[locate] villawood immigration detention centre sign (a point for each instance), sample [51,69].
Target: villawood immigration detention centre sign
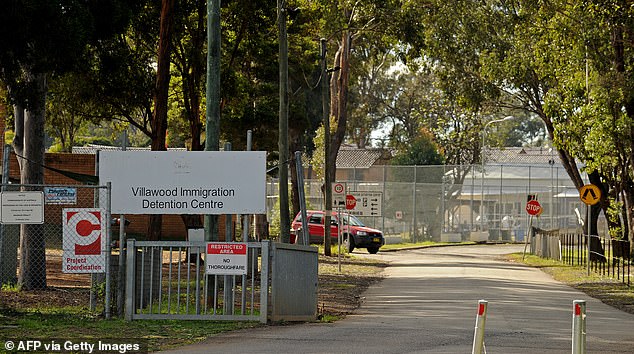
[185,182]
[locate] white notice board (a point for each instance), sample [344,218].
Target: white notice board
[22,207]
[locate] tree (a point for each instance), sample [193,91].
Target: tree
[421,150]
[39,38]
[535,54]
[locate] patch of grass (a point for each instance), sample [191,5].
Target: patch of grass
[607,289]
[160,335]
[8,287]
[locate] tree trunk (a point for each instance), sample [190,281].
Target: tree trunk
[192,81]
[32,248]
[159,119]
[339,101]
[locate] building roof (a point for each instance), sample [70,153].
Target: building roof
[522,156]
[353,157]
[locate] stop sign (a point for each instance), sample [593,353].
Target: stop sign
[533,207]
[351,202]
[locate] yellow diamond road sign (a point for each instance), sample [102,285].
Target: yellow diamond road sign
[590,194]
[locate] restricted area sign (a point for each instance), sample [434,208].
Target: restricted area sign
[590,194]
[226,258]
[533,207]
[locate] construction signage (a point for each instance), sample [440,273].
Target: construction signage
[226,258]
[84,240]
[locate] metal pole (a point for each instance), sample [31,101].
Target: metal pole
[578,327]
[414,231]
[130,281]
[228,279]
[484,129]
[589,231]
[339,225]
[122,250]
[383,200]
[302,198]
[108,251]
[245,218]
[442,205]
[482,179]
[478,335]
[8,258]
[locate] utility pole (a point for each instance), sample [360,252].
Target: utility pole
[285,223]
[325,81]
[212,131]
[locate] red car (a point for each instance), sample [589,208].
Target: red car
[354,233]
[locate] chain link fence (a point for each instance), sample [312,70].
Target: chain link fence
[56,236]
[430,202]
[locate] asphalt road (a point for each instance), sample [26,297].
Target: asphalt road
[427,304]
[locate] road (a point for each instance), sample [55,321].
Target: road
[427,304]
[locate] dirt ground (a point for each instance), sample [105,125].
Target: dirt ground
[339,293]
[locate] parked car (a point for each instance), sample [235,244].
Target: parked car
[354,233]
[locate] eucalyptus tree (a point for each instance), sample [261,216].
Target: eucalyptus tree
[592,104]
[39,38]
[525,50]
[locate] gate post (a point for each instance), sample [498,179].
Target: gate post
[264,281]
[130,279]
[579,327]
[478,335]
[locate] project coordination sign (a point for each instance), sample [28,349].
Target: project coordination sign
[185,182]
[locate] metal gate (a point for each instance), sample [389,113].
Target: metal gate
[167,280]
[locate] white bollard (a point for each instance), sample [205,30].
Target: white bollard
[579,327]
[478,335]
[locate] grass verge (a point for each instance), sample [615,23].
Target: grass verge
[60,313]
[606,289]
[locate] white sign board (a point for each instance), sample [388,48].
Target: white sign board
[84,240]
[367,204]
[338,195]
[185,182]
[22,207]
[228,258]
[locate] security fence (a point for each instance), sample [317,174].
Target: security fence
[425,202]
[56,236]
[605,256]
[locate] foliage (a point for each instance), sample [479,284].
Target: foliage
[421,151]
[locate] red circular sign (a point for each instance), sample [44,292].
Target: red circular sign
[533,207]
[351,201]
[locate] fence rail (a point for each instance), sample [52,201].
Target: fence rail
[605,256]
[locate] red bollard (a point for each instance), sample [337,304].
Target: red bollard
[478,335]
[579,327]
